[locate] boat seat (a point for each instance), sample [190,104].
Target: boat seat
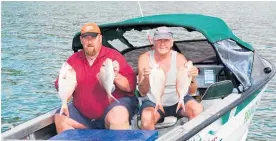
[218,90]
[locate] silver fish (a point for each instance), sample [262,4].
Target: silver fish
[157,81]
[67,83]
[106,78]
[183,83]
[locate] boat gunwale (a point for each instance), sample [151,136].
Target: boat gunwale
[27,128]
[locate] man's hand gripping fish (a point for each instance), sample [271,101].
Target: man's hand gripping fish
[66,83]
[157,81]
[183,83]
[106,77]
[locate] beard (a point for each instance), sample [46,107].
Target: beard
[90,51]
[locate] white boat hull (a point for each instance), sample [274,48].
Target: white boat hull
[237,127]
[232,126]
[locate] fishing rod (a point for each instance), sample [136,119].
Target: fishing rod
[148,35]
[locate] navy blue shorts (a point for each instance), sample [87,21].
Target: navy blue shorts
[169,110]
[130,103]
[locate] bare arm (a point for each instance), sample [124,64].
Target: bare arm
[125,76]
[180,60]
[122,83]
[143,74]
[193,86]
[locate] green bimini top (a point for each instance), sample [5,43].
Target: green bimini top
[214,29]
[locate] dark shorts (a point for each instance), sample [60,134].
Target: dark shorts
[169,110]
[130,103]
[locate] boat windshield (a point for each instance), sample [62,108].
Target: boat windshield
[193,45]
[239,60]
[141,38]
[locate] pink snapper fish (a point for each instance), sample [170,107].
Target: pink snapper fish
[67,83]
[183,82]
[106,78]
[157,79]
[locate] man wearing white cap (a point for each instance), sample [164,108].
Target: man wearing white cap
[169,60]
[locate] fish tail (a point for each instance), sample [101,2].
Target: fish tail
[156,108]
[180,105]
[159,106]
[61,111]
[114,98]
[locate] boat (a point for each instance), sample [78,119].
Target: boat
[232,78]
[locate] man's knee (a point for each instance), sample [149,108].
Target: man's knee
[147,115]
[60,123]
[117,115]
[59,119]
[193,109]
[197,109]
[147,118]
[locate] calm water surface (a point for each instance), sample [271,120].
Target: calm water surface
[37,38]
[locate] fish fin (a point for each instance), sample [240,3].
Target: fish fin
[61,112]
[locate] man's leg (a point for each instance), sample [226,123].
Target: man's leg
[192,107]
[148,117]
[118,115]
[76,120]
[117,118]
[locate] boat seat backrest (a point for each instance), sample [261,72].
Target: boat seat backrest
[217,90]
[76,44]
